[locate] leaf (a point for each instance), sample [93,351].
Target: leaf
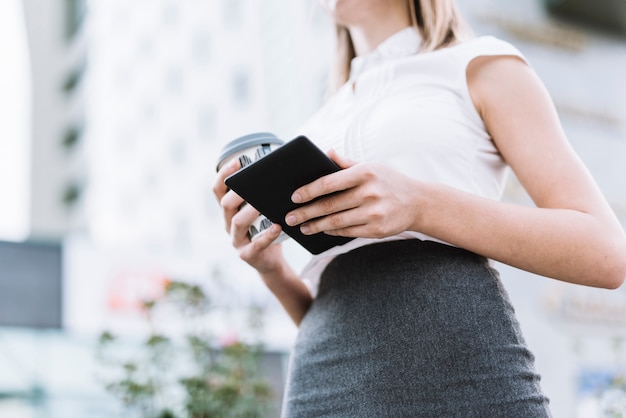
[105,338]
[166,413]
[157,340]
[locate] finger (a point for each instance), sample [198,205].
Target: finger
[240,223]
[352,223]
[259,244]
[231,203]
[356,231]
[340,160]
[219,187]
[333,222]
[267,238]
[333,203]
[331,183]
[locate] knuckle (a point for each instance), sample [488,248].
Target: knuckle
[377,215]
[328,204]
[377,225]
[369,172]
[258,245]
[379,231]
[225,202]
[231,205]
[336,221]
[327,183]
[237,222]
[370,194]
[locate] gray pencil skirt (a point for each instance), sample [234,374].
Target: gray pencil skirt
[411,329]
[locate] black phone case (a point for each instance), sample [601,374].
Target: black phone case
[268,183]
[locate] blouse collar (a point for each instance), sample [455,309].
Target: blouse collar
[401,44]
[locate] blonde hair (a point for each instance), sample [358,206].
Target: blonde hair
[438,21]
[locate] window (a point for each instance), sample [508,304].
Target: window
[174,81]
[71,194]
[178,152]
[74,78]
[207,122]
[241,88]
[201,48]
[232,13]
[74,13]
[170,13]
[72,136]
[149,109]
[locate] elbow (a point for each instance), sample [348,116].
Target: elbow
[615,267]
[616,280]
[613,283]
[605,267]
[609,277]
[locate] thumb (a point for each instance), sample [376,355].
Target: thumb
[341,161]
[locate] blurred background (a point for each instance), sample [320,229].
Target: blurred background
[112,117]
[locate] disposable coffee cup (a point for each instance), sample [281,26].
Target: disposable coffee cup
[248,149]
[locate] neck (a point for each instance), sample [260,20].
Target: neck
[366,36]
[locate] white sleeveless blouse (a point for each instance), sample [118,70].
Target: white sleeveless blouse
[413,112]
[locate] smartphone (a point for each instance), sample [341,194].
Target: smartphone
[268,183]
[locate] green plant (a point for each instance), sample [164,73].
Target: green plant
[190,377]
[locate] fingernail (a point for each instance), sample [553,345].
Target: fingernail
[305,229]
[274,229]
[296,198]
[291,220]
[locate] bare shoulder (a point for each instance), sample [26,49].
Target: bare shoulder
[523,123]
[503,80]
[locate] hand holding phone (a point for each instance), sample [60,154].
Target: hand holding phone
[268,183]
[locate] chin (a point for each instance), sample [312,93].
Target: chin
[354,12]
[344,12]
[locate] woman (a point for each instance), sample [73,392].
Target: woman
[409,319]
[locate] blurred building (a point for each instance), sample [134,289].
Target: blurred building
[40,105]
[130,104]
[169,83]
[165,84]
[125,108]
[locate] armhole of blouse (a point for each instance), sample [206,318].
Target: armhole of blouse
[484,47]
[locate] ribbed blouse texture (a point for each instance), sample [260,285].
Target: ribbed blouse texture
[411,111]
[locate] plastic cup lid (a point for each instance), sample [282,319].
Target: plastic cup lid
[247,141]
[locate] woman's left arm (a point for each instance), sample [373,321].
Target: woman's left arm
[572,235]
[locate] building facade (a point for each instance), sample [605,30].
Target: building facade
[46,101]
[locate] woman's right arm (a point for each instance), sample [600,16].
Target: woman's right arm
[267,258]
